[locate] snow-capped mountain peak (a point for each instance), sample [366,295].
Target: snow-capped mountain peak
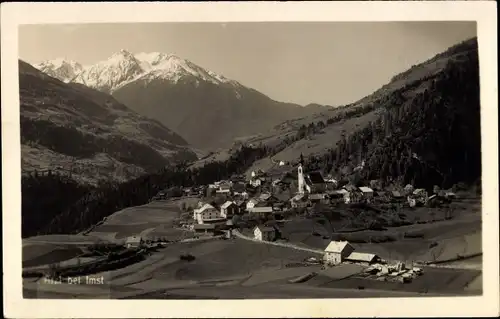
[107,75]
[124,67]
[62,69]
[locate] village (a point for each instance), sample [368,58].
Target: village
[259,205]
[302,227]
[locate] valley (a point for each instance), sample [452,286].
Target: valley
[179,183]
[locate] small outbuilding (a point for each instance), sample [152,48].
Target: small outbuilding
[264,233]
[133,242]
[364,258]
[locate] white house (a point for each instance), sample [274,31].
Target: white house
[228,209]
[206,213]
[297,201]
[264,233]
[133,241]
[336,252]
[367,192]
[252,203]
[352,195]
[255,182]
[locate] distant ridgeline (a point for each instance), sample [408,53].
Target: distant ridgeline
[75,207]
[429,132]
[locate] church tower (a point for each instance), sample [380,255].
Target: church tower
[301,183]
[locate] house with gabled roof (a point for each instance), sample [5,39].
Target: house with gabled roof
[228,209]
[206,213]
[133,241]
[336,252]
[264,233]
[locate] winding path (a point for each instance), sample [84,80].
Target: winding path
[286,245]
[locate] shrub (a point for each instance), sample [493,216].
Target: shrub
[414,235]
[187,257]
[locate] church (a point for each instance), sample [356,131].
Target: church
[311,183]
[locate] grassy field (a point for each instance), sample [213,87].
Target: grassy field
[433,280]
[154,219]
[227,259]
[432,241]
[49,254]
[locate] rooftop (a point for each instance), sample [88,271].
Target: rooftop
[204,208]
[337,246]
[317,196]
[297,197]
[204,226]
[316,178]
[227,204]
[262,209]
[265,196]
[133,239]
[366,189]
[354,256]
[264,228]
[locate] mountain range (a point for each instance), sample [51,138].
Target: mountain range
[69,127]
[207,109]
[422,128]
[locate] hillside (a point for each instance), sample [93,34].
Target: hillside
[424,122]
[421,128]
[72,128]
[179,93]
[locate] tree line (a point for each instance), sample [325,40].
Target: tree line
[54,204]
[428,136]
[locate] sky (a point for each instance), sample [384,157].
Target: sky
[332,63]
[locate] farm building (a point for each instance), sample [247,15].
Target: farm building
[264,233]
[224,188]
[206,213]
[268,199]
[257,179]
[133,242]
[336,252]
[364,258]
[228,209]
[396,195]
[412,201]
[319,198]
[337,194]
[241,205]
[450,195]
[352,195]
[409,189]
[331,183]
[239,187]
[206,229]
[367,192]
[298,201]
[279,206]
[261,210]
[432,199]
[420,196]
